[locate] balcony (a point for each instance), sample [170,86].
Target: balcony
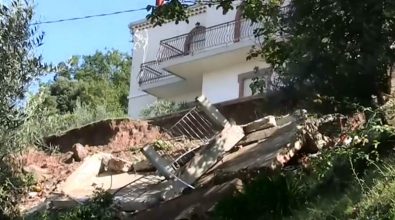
[184,58]
[151,73]
[202,38]
[161,83]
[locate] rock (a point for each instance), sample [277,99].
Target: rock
[118,165]
[67,157]
[79,152]
[143,166]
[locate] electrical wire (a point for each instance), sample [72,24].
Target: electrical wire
[88,16]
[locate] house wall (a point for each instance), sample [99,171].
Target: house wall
[190,97]
[222,85]
[138,103]
[146,46]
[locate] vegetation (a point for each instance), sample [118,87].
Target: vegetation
[349,182]
[318,46]
[98,208]
[98,80]
[93,88]
[163,107]
[18,67]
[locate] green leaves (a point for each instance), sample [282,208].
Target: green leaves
[94,80]
[342,48]
[18,63]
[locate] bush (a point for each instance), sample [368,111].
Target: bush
[265,198]
[14,185]
[98,208]
[42,122]
[163,107]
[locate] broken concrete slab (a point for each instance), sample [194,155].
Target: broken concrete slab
[258,155]
[260,124]
[258,136]
[206,159]
[82,183]
[89,169]
[201,200]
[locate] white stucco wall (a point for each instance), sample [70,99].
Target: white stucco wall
[138,103]
[222,85]
[147,44]
[189,97]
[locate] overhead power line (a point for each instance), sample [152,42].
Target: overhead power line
[89,16]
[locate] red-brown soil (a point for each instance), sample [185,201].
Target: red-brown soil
[121,138]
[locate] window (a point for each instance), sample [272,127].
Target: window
[245,80]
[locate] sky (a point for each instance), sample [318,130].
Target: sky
[84,37]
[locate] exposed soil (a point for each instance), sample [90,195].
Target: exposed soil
[121,138]
[118,134]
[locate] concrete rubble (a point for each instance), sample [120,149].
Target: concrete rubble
[193,190]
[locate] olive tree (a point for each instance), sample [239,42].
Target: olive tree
[18,63]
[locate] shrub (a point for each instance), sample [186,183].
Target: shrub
[98,208]
[266,198]
[163,107]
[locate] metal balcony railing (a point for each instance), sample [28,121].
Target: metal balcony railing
[204,38]
[198,39]
[150,72]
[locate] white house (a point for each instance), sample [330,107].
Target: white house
[179,62]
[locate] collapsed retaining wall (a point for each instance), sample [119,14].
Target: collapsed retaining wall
[116,133]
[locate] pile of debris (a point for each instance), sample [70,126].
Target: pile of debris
[122,142]
[180,173]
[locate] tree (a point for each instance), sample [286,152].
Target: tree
[18,63]
[93,80]
[18,67]
[338,48]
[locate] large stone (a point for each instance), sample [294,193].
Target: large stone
[143,166]
[79,152]
[118,165]
[67,157]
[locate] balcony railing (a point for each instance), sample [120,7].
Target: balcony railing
[150,72]
[204,38]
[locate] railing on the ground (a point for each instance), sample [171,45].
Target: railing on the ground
[189,133]
[150,72]
[203,38]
